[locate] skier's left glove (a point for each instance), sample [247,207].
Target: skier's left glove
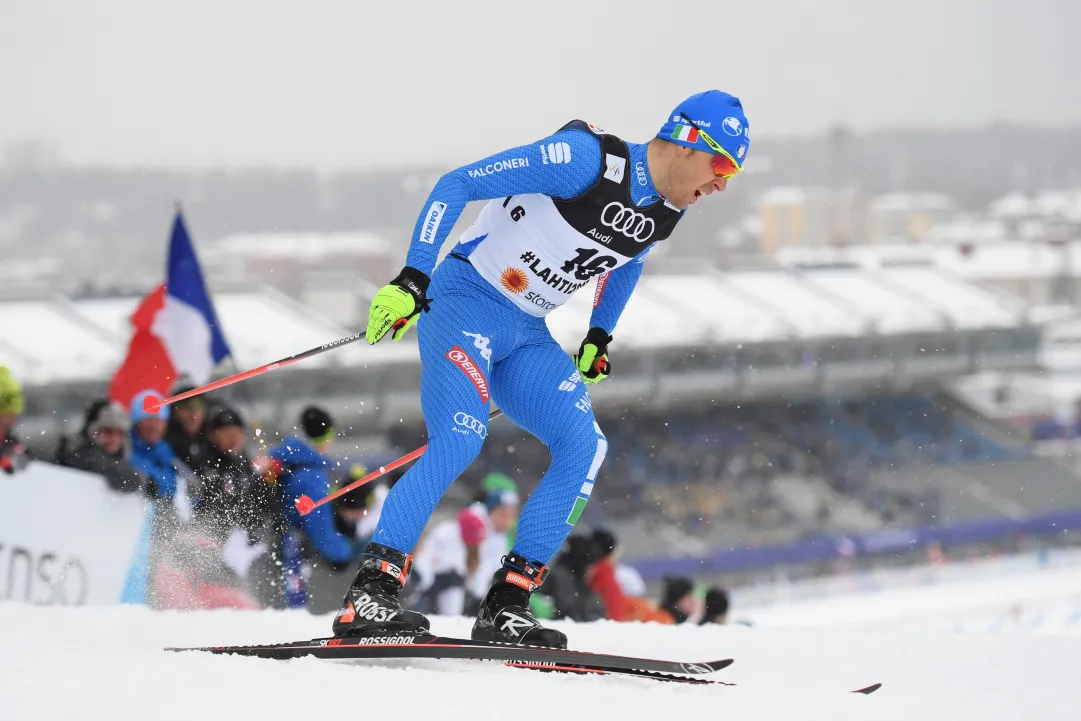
[592,359]
[397,305]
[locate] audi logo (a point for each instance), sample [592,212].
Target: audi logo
[457,356]
[628,222]
[464,419]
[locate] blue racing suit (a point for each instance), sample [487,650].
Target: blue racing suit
[485,337]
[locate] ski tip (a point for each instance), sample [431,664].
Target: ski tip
[706,666]
[868,689]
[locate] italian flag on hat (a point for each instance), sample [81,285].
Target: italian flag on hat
[687,133]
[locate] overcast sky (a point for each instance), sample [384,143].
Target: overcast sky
[354,83]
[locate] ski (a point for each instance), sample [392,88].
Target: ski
[602,671]
[430,646]
[583,670]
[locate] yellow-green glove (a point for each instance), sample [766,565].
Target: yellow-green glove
[397,305]
[592,359]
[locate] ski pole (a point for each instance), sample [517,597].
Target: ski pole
[153,405]
[306,505]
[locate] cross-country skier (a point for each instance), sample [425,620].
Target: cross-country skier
[578,204]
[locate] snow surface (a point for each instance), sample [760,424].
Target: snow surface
[107,662]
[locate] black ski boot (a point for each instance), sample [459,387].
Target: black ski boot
[371,604]
[504,614]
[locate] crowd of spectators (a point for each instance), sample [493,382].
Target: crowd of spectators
[228,533]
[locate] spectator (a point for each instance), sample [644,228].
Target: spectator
[150,453]
[566,590]
[455,564]
[186,432]
[243,509]
[492,483]
[356,514]
[499,514]
[13,454]
[716,609]
[102,447]
[304,469]
[623,601]
[231,492]
[678,598]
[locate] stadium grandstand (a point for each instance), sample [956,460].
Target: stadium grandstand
[808,400]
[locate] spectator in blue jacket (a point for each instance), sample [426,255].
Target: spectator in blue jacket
[304,469]
[150,452]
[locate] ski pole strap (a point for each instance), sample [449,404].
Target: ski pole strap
[388,560]
[523,573]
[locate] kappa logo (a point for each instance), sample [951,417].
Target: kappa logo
[615,167]
[460,358]
[482,344]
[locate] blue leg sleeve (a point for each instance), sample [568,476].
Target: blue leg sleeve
[458,339]
[539,389]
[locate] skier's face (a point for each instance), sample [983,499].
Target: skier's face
[693,177]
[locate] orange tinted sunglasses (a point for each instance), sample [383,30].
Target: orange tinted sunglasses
[724,165]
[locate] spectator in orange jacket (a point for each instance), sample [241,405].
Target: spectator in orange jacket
[603,580]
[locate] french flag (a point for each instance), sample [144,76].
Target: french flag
[176,331]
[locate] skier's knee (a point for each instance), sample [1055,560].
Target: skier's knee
[584,446]
[464,441]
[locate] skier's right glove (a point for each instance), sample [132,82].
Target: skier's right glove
[397,305]
[592,358]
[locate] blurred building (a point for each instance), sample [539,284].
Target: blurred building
[811,216]
[336,274]
[906,217]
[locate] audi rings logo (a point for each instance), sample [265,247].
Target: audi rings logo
[468,421]
[628,222]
